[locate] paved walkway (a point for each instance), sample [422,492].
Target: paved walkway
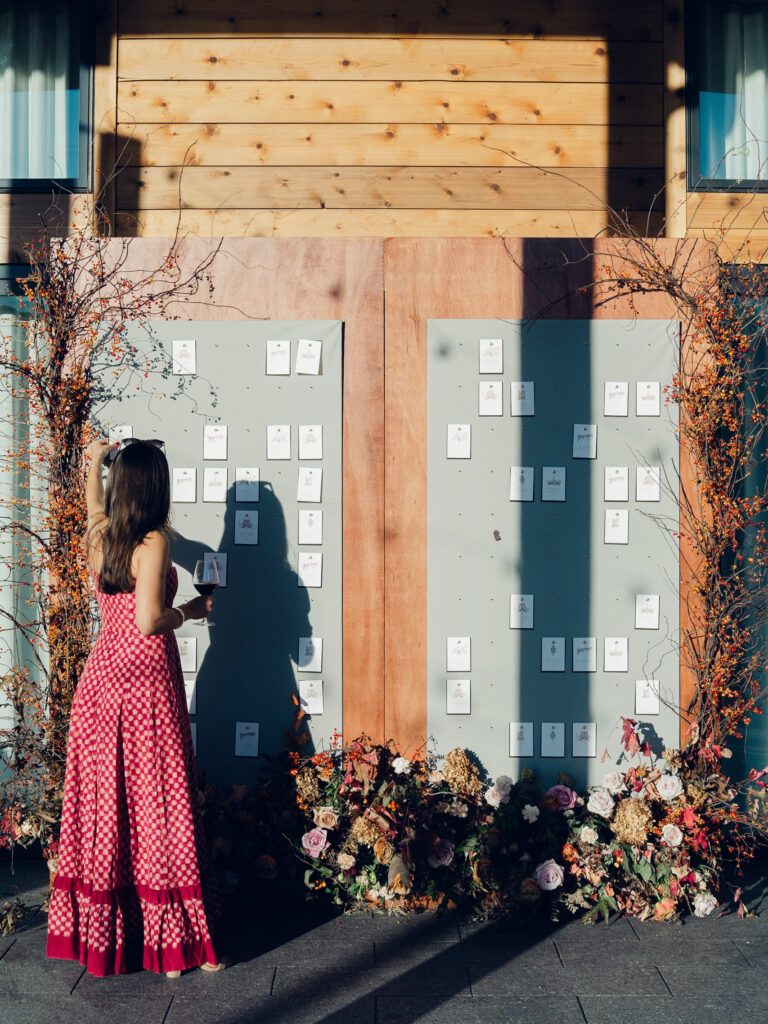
[369,969]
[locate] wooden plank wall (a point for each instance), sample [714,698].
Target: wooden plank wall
[388,119]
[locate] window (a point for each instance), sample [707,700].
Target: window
[45,95]
[727,62]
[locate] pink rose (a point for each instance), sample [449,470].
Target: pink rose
[315,841]
[441,855]
[565,797]
[549,875]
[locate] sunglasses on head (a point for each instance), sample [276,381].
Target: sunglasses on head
[133,440]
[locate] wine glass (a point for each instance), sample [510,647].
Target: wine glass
[205,579]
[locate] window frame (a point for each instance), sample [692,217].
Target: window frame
[692,121]
[84,180]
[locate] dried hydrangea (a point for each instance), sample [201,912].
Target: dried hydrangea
[307,786]
[365,832]
[631,821]
[460,774]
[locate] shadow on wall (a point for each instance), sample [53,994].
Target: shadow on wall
[246,672]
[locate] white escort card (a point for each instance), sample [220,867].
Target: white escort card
[521,398]
[489,398]
[648,398]
[553,483]
[183,484]
[214,484]
[246,739]
[310,571]
[458,696]
[310,526]
[247,483]
[553,654]
[521,483]
[521,739]
[120,433]
[616,483]
[279,441]
[647,697]
[310,654]
[246,526]
[187,653]
[584,739]
[617,526]
[311,696]
[616,400]
[458,654]
[184,359]
[521,611]
[553,739]
[278,358]
[308,356]
[646,611]
[648,483]
[190,689]
[459,441]
[311,442]
[310,484]
[491,355]
[220,559]
[215,441]
[585,440]
[584,654]
[615,655]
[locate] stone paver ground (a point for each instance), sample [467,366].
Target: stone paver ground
[371,969]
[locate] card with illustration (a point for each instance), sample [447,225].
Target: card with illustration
[120,433]
[584,654]
[246,526]
[647,701]
[648,398]
[308,354]
[553,739]
[214,484]
[521,483]
[616,486]
[311,696]
[190,689]
[584,739]
[617,526]
[616,400]
[310,483]
[646,611]
[521,611]
[184,358]
[215,441]
[553,483]
[459,441]
[553,654]
[310,526]
[491,355]
[310,570]
[458,654]
[648,483]
[521,739]
[279,441]
[187,653]
[585,440]
[278,358]
[220,558]
[247,483]
[246,739]
[310,654]
[522,398]
[183,484]
[489,398]
[616,654]
[311,441]
[458,696]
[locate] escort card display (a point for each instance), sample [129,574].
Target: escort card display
[548,538]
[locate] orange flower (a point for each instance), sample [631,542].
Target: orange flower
[664,908]
[570,852]
[550,802]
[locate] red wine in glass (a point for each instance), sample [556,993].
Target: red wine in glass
[205,579]
[205,588]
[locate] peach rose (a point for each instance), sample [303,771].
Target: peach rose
[326,817]
[664,908]
[383,850]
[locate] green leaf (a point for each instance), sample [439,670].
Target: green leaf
[308,878]
[644,869]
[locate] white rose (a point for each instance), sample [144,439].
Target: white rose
[704,904]
[669,787]
[401,766]
[549,875]
[494,797]
[671,835]
[531,813]
[588,835]
[503,784]
[600,802]
[614,782]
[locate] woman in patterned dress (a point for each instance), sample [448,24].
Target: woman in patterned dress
[133,884]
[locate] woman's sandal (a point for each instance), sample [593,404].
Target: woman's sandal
[173,974]
[220,966]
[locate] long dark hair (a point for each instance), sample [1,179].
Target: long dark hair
[137,500]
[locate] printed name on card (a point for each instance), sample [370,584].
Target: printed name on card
[310,654]
[616,486]
[584,654]
[585,441]
[553,483]
[648,398]
[616,400]
[615,654]
[310,573]
[184,484]
[214,484]
[246,739]
[308,354]
[278,358]
[646,611]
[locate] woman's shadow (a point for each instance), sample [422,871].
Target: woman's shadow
[246,673]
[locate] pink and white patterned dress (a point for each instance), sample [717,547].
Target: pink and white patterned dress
[133,886]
